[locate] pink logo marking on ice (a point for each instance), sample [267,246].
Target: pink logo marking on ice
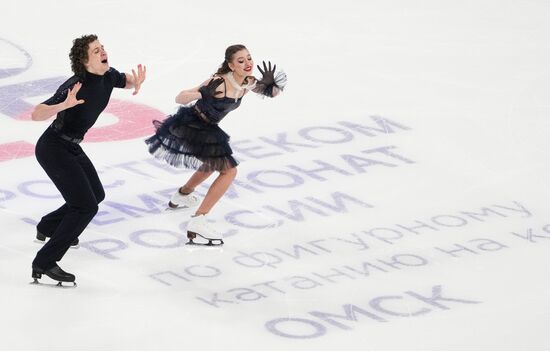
[18,149]
[134,121]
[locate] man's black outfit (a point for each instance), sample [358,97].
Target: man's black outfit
[60,155]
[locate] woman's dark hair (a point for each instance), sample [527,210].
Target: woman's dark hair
[229,52]
[79,54]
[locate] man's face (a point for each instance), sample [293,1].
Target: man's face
[97,59]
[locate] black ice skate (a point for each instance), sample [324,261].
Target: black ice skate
[41,239]
[198,228]
[55,273]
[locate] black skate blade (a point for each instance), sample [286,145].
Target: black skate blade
[42,242]
[173,209]
[193,246]
[210,242]
[192,243]
[204,242]
[58,285]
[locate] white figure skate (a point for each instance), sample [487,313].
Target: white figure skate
[199,228]
[179,201]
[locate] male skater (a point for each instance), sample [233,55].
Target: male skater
[77,103]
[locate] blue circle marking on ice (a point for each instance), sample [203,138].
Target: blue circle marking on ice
[14,59]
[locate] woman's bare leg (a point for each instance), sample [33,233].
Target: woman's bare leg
[196,179]
[216,190]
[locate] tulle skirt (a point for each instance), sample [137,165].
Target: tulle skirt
[184,140]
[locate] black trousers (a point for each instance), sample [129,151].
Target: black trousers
[75,177]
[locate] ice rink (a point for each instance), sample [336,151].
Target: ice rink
[394,197]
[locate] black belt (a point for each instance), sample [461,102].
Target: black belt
[201,115]
[65,136]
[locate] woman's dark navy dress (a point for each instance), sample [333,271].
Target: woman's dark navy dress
[192,138]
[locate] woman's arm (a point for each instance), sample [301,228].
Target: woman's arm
[186,96]
[42,111]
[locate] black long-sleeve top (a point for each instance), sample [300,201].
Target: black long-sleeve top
[95,91]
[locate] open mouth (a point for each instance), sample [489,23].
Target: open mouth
[104,61]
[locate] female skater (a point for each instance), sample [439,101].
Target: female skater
[191,138]
[77,104]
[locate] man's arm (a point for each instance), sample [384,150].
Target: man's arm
[42,111]
[134,80]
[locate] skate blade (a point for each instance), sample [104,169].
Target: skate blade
[58,285]
[192,247]
[204,241]
[179,208]
[77,246]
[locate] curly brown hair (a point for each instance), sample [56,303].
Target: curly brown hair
[79,54]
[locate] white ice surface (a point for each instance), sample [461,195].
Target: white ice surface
[464,87]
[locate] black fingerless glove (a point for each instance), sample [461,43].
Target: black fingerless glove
[208,91]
